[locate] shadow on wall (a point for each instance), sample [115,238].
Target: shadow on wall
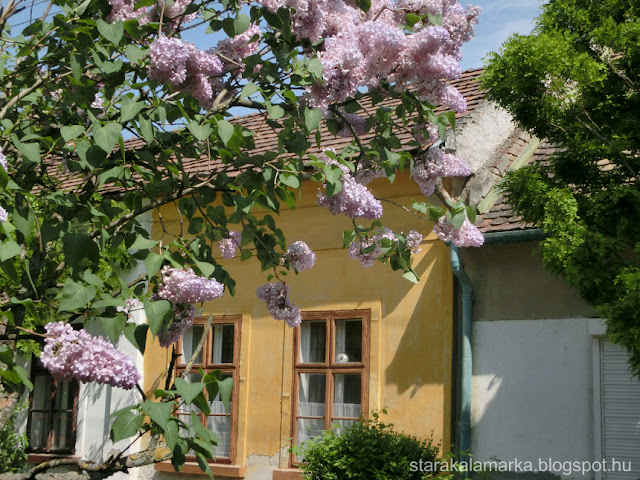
[414,364]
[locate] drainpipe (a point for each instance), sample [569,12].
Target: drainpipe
[466,373]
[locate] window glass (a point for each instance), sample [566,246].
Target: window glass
[348,346]
[222,349]
[313,341]
[190,339]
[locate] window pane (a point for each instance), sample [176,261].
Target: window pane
[309,428]
[63,400]
[348,341]
[340,425]
[313,335]
[311,394]
[39,430]
[62,430]
[42,392]
[347,395]
[190,339]
[221,425]
[222,351]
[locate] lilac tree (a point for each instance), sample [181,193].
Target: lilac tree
[72,195]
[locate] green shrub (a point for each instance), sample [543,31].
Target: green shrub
[13,446]
[367,450]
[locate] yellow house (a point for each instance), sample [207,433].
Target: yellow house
[369,338]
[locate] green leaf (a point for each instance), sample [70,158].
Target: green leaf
[24,376]
[225,131]
[458,219]
[71,132]
[249,89]
[411,276]
[106,136]
[411,19]
[155,314]
[29,151]
[113,326]
[126,425]
[78,246]
[348,236]
[129,108]
[315,67]
[201,402]
[188,391]
[111,31]
[153,262]
[204,464]
[312,118]
[436,20]
[6,356]
[172,433]
[9,249]
[205,268]
[10,270]
[201,132]
[225,388]
[137,335]
[275,111]
[29,305]
[290,180]
[159,413]
[75,296]
[142,243]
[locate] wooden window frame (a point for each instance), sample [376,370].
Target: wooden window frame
[225,368]
[74,390]
[330,367]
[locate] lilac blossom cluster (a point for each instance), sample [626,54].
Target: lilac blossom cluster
[131,304]
[467,236]
[437,164]
[300,256]
[276,298]
[4,215]
[76,354]
[233,50]
[183,315]
[356,250]
[228,246]
[184,67]
[354,200]
[3,160]
[172,15]
[361,50]
[184,286]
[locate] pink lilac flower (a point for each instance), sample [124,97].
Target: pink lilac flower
[184,286]
[276,298]
[183,315]
[97,101]
[3,160]
[414,239]
[228,246]
[467,236]
[437,164]
[300,256]
[4,215]
[131,305]
[234,50]
[124,10]
[354,200]
[76,354]
[367,258]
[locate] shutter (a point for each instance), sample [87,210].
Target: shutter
[620,415]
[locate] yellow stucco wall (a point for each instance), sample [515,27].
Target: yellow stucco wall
[411,324]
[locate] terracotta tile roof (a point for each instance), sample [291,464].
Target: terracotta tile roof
[501,217]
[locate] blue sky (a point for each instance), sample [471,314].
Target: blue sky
[499,19]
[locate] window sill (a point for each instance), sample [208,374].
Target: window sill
[287,474]
[38,458]
[192,468]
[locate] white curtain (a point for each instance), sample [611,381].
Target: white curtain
[221,426]
[187,345]
[305,342]
[217,344]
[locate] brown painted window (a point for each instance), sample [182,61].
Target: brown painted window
[331,372]
[51,426]
[221,352]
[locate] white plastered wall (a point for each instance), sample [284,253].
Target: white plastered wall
[532,394]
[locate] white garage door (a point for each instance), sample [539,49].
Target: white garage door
[620,414]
